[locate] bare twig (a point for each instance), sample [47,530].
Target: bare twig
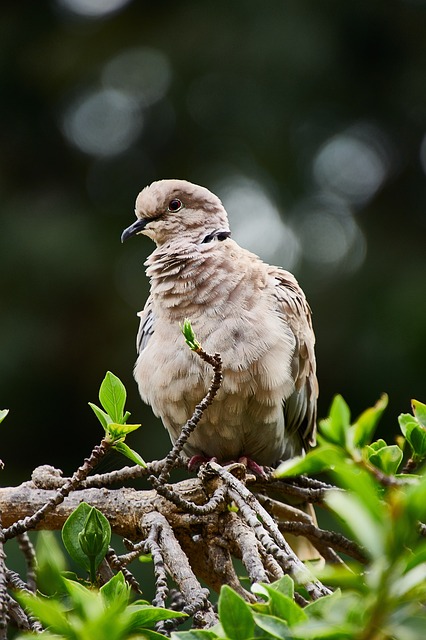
[214,503]
[115,562]
[27,548]
[82,472]
[216,362]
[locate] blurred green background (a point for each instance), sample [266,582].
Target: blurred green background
[307,118]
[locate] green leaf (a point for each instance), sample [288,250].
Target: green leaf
[415,501]
[50,612]
[103,417]
[316,461]
[419,410]
[129,453]
[50,564]
[115,589]
[272,625]
[416,437]
[112,396]
[280,605]
[387,458]
[334,428]
[194,634]
[99,534]
[141,616]
[235,615]
[318,608]
[3,414]
[405,419]
[365,425]
[284,585]
[358,518]
[119,431]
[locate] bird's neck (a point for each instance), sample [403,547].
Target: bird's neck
[187,280]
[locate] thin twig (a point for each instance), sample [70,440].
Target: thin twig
[30,522]
[330,538]
[217,499]
[27,548]
[216,362]
[116,563]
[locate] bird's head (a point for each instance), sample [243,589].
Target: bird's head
[167,210]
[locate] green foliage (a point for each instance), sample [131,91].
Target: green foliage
[381,511]
[76,612]
[113,418]
[86,535]
[3,414]
[340,440]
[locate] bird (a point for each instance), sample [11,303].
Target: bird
[254,314]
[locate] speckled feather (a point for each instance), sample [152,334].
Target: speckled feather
[254,314]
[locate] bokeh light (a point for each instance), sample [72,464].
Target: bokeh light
[331,240]
[143,72]
[103,122]
[353,164]
[92,8]
[256,222]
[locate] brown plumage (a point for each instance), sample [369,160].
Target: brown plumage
[255,315]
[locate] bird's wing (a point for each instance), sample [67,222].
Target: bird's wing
[146,326]
[301,407]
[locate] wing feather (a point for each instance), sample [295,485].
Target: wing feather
[301,407]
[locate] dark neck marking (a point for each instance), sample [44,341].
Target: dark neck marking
[216,235]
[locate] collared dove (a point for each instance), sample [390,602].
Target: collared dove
[255,315]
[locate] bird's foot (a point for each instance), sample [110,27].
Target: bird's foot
[251,465]
[196,461]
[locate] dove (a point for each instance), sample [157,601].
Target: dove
[254,314]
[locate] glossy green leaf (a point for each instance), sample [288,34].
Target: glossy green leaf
[284,585]
[101,415]
[141,616]
[280,605]
[387,458]
[404,420]
[3,414]
[112,396]
[115,589]
[317,460]
[366,423]
[129,453]
[194,634]
[75,525]
[419,410]
[416,437]
[272,625]
[334,428]
[235,615]
[119,431]
[359,481]
[359,519]
[49,611]
[50,563]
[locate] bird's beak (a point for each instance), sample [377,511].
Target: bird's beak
[134,228]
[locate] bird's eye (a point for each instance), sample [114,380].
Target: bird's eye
[174,205]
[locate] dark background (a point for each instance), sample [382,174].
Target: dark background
[308,118]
